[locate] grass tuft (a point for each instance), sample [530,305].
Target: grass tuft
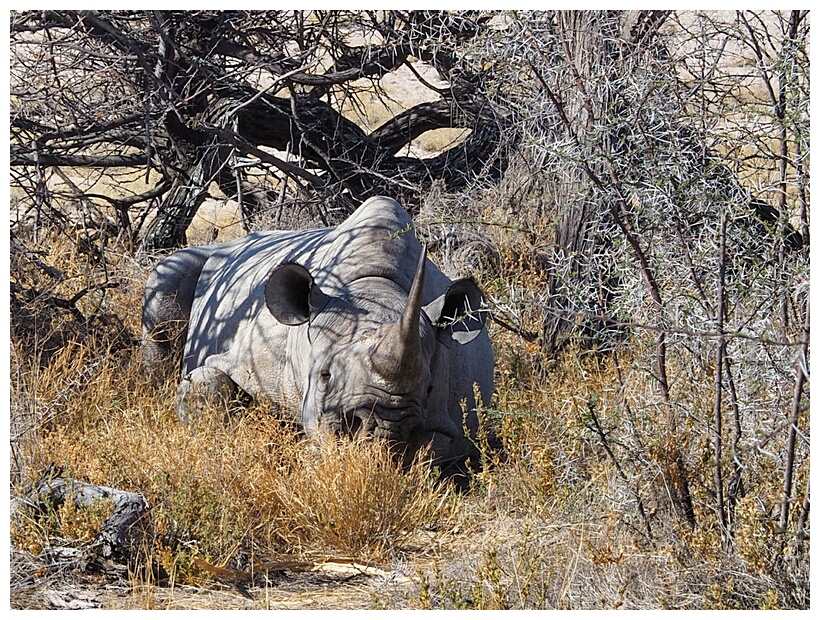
[355,496]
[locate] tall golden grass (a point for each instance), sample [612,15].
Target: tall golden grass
[251,487]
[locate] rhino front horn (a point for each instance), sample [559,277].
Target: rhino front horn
[397,357]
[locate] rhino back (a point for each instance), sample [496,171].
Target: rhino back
[378,240]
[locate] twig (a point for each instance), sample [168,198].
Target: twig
[802,366]
[717,439]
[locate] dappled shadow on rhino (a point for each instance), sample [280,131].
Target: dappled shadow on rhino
[352,327]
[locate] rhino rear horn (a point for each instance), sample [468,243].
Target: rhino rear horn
[397,357]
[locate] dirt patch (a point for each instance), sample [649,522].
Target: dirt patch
[64,578]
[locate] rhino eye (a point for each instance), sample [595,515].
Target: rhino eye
[323,382]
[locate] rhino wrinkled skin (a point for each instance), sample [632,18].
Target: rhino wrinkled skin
[351,326]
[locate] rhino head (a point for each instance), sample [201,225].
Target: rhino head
[372,351]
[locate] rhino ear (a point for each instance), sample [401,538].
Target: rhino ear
[461,311]
[291,294]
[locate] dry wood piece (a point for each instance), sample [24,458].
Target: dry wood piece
[128,507]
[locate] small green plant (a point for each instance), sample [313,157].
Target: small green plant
[82,523]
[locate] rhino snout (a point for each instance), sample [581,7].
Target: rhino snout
[394,423]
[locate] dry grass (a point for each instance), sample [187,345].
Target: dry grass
[371,510]
[550,522]
[554,526]
[251,485]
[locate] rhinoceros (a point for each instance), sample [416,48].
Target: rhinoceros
[352,328]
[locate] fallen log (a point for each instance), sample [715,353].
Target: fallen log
[53,490]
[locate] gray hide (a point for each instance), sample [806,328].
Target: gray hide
[349,326]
